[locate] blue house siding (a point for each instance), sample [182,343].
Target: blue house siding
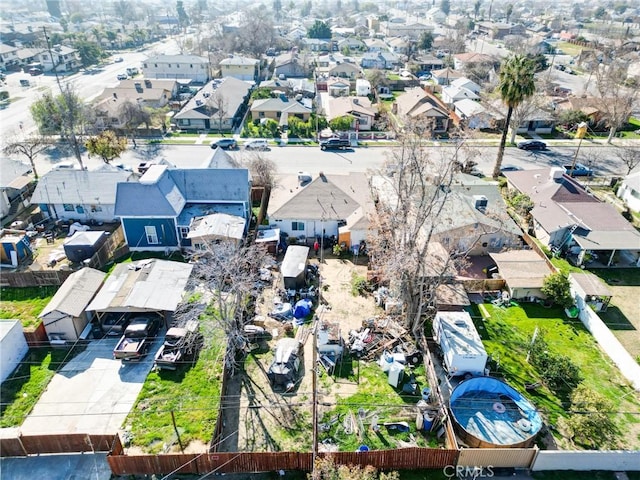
[160,234]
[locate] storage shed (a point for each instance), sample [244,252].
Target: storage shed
[15,247]
[13,347]
[294,267]
[83,245]
[524,272]
[65,315]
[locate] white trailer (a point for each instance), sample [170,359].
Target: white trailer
[462,349]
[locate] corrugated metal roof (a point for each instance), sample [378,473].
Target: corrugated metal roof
[145,285]
[79,186]
[75,293]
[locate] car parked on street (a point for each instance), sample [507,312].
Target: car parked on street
[257,145]
[225,143]
[335,144]
[532,145]
[122,76]
[579,170]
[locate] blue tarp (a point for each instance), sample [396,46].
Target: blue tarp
[302,308]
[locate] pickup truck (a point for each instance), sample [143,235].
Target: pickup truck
[335,144]
[178,343]
[579,170]
[137,338]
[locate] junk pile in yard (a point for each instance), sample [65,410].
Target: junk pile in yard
[330,345]
[285,367]
[379,334]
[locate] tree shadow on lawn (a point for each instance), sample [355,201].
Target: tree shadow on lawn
[623,277]
[536,310]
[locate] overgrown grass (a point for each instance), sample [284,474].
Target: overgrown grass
[192,393]
[25,304]
[564,266]
[20,392]
[507,335]
[376,397]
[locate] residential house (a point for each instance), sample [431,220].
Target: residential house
[524,272]
[296,34]
[427,63]
[359,108]
[568,219]
[538,120]
[410,30]
[178,67]
[291,65]
[65,316]
[472,215]
[220,105]
[317,44]
[435,15]
[446,76]
[452,93]
[62,58]
[376,45]
[156,213]
[9,60]
[380,60]
[472,59]
[629,191]
[208,229]
[280,109]
[322,207]
[242,68]
[16,185]
[399,45]
[590,106]
[475,115]
[82,195]
[498,31]
[149,93]
[336,65]
[416,105]
[351,44]
[464,82]
[336,87]
[28,56]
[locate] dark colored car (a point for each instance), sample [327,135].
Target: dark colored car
[335,144]
[532,145]
[225,143]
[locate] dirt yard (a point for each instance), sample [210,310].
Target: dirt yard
[257,418]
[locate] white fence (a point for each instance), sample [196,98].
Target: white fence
[607,340]
[611,460]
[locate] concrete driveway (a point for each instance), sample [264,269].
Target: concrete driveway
[93,393]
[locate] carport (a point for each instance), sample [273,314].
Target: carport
[146,286]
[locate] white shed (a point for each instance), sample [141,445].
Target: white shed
[65,315]
[13,347]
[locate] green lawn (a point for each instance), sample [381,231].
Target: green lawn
[192,393]
[375,396]
[507,335]
[25,304]
[20,392]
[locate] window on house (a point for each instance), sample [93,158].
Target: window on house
[144,65]
[184,231]
[155,65]
[169,65]
[68,207]
[297,226]
[79,209]
[261,114]
[191,65]
[151,234]
[96,208]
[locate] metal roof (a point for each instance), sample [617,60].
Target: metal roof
[75,293]
[155,285]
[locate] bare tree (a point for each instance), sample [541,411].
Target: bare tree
[132,116]
[616,100]
[409,204]
[629,156]
[523,111]
[219,104]
[229,275]
[30,147]
[263,172]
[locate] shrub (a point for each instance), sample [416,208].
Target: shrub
[557,287]
[559,373]
[359,285]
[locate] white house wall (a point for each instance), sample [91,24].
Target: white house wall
[107,213]
[312,228]
[60,326]
[630,196]
[13,348]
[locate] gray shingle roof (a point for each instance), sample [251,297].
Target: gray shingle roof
[75,293]
[79,186]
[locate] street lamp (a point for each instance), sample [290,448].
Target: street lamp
[580,133]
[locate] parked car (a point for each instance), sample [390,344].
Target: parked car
[137,338]
[257,145]
[24,82]
[579,170]
[532,145]
[64,166]
[114,323]
[334,144]
[178,343]
[35,71]
[122,76]
[509,168]
[225,143]
[118,59]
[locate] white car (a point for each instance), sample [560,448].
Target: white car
[257,145]
[122,76]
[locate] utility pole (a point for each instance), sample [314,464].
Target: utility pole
[65,97]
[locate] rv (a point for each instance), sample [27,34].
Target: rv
[462,349]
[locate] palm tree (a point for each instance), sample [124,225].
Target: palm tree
[516,84]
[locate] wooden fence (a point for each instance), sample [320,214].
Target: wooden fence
[415,458]
[36,337]
[35,278]
[21,445]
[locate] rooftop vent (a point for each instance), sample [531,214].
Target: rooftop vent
[480,202]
